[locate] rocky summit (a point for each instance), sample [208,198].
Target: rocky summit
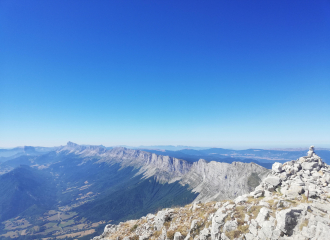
[292,202]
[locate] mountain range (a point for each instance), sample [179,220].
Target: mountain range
[73,191]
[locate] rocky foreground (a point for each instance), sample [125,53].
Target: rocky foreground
[292,202]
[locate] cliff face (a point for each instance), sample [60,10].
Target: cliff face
[212,180]
[218,181]
[293,202]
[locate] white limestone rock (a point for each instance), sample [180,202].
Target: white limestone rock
[287,219]
[310,152]
[144,237]
[177,236]
[309,231]
[241,199]
[193,224]
[283,176]
[218,221]
[253,227]
[322,231]
[263,214]
[249,236]
[230,226]
[224,237]
[110,228]
[195,206]
[204,234]
[163,235]
[272,180]
[257,193]
[162,217]
[277,167]
[247,218]
[309,165]
[294,191]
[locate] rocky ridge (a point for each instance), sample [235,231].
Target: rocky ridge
[211,180]
[291,203]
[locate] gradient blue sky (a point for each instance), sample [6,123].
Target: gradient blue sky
[204,73]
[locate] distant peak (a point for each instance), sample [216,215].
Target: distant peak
[29,149]
[120,149]
[71,144]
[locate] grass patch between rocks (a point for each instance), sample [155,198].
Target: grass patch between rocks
[254,211]
[303,224]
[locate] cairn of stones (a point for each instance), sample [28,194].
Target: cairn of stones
[308,175]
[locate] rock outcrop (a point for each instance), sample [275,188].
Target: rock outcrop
[292,202]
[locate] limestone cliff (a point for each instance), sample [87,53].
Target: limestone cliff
[212,180]
[219,181]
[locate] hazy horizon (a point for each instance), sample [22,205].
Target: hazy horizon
[243,147]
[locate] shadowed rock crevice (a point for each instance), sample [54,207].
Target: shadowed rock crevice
[253,181]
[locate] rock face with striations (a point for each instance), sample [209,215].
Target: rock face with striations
[291,203]
[219,181]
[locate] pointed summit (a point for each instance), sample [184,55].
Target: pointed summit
[71,144]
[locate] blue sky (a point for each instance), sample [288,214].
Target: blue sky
[203,73]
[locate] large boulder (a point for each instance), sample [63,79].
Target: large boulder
[263,214]
[277,167]
[287,219]
[267,230]
[253,227]
[217,221]
[241,199]
[309,165]
[257,193]
[272,180]
[326,177]
[162,217]
[294,191]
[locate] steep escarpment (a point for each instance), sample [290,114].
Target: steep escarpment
[210,180]
[218,181]
[164,168]
[292,202]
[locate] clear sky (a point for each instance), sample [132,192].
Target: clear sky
[201,73]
